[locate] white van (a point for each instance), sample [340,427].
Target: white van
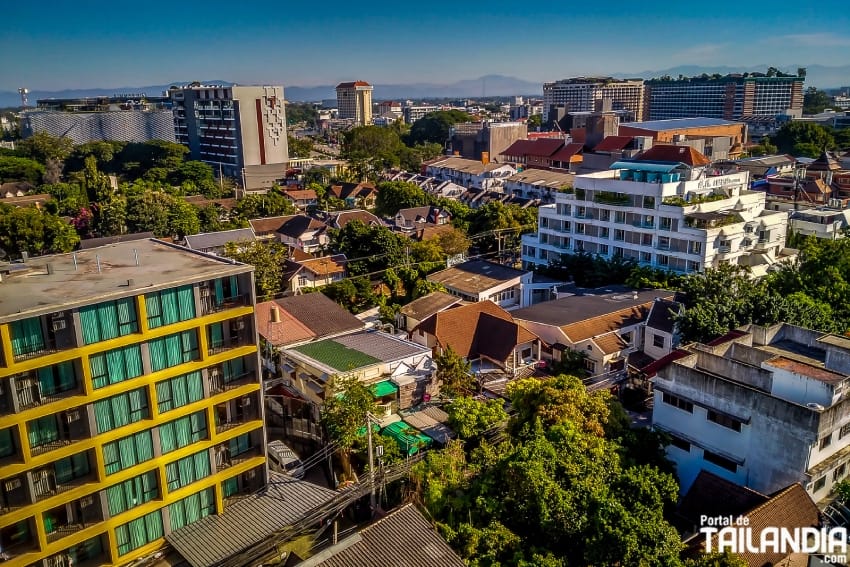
[283,459]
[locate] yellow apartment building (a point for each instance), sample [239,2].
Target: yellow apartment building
[129,400]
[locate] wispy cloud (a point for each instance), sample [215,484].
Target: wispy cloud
[702,52]
[820,39]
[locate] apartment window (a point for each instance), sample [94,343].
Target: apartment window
[43,430]
[239,445]
[580,228]
[179,391]
[187,470]
[131,493]
[680,443]
[127,452]
[646,257]
[839,472]
[646,240]
[618,252]
[724,420]
[192,508]
[649,202]
[604,232]
[604,215]
[665,223]
[137,533]
[226,289]
[663,260]
[7,443]
[819,484]
[27,336]
[658,341]
[620,217]
[627,337]
[721,462]
[108,320]
[845,429]
[664,242]
[123,409]
[170,306]
[183,431]
[678,402]
[115,365]
[603,248]
[825,442]
[694,247]
[174,349]
[589,365]
[693,266]
[619,234]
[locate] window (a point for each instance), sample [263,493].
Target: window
[658,341]
[839,472]
[70,468]
[7,443]
[239,445]
[43,431]
[226,289]
[678,402]
[694,247]
[27,336]
[179,391]
[665,223]
[680,443]
[230,486]
[590,365]
[693,266]
[646,257]
[137,533]
[192,508]
[183,431]
[173,350]
[646,240]
[170,306]
[604,232]
[663,260]
[724,420]
[620,217]
[819,484]
[56,379]
[121,410]
[131,493]
[108,320]
[721,462]
[187,470]
[603,248]
[664,243]
[115,365]
[580,228]
[825,442]
[127,452]
[619,234]
[627,337]
[845,429]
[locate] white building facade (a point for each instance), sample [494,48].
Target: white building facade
[471,173]
[667,216]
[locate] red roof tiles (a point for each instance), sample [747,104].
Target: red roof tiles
[667,152]
[613,143]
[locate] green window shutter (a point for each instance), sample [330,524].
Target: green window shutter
[64,469]
[115,499]
[202,464]
[46,381]
[27,336]
[173,351]
[186,302]
[183,431]
[193,508]
[67,376]
[195,386]
[88,321]
[111,457]
[103,416]
[149,486]
[167,437]
[186,470]
[234,286]
[153,523]
[107,314]
[172,476]
[120,409]
[177,515]
[181,394]
[122,539]
[154,308]
[144,445]
[207,502]
[219,291]
[216,335]
[170,310]
[115,366]
[127,320]
[133,360]
[230,486]
[156,348]
[163,396]
[138,534]
[198,421]
[189,346]
[127,450]
[138,404]
[81,464]
[99,373]
[42,431]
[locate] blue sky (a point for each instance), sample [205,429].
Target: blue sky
[53,44]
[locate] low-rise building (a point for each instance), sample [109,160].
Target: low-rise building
[410,315]
[544,153]
[415,219]
[340,219]
[824,222]
[304,233]
[668,209]
[470,173]
[483,334]
[216,242]
[313,272]
[301,198]
[729,404]
[715,138]
[539,184]
[484,140]
[480,280]
[355,194]
[413,113]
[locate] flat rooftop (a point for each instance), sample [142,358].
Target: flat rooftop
[63,281]
[679,124]
[476,276]
[803,369]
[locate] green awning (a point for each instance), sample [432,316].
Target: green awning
[385,388]
[409,440]
[362,431]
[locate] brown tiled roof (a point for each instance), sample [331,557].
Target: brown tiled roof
[543,147]
[201,201]
[346,190]
[268,225]
[342,218]
[297,225]
[351,84]
[298,255]
[825,162]
[610,343]
[668,152]
[27,200]
[567,152]
[427,305]
[325,266]
[713,496]
[320,314]
[301,194]
[477,328]
[613,143]
[288,331]
[603,324]
[433,230]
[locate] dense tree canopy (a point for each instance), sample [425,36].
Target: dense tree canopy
[434,127]
[268,260]
[20,169]
[815,101]
[396,195]
[27,229]
[803,139]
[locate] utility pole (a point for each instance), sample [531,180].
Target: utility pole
[371,464]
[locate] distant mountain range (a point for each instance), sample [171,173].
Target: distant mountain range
[821,76]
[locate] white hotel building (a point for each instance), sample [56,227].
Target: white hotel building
[664,214]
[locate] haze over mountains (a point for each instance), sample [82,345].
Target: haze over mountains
[820,76]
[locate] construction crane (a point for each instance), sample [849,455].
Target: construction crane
[23,91]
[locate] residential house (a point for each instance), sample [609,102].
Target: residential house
[605,325]
[413,220]
[470,173]
[410,315]
[729,404]
[303,233]
[216,242]
[301,198]
[484,334]
[384,362]
[266,228]
[402,537]
[481,280]
[544,153]
[339,219]
[313,272]
[361,195]
[539,184]
[15,189]
[826,222]
[765,166]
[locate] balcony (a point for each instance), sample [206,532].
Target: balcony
[209,304]
[14,494]
[39,336]
[229,335]
[69,427]
[220,381]
[18,539]
[46,484]
[234,413]
[724,249]
[68,519]
[31,392]
[225,459]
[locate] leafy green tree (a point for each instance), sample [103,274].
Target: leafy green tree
[796,132]
[453,242]
[267,258]
[725,559]
[111,217]
[433,128]
[301,112]
[272,204]
[27,229]
[183,218]
[42,146]
[842,139]
[369,248]
[347,403]
[149,211]
[396,195]
[103,152]
[299,147]
[469,417]
[535,121]
[765,148]
[67,198]
[20,169]
[815,101]
[454,374]
[355,294]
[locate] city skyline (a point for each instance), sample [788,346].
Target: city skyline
[393,43]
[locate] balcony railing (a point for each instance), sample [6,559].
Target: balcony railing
[46,485]
[219,383]
[48,346]
[224,460]
[211,305]
[240,339]
[724,249]
[249,413]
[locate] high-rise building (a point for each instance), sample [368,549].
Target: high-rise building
[581,94]
[240,129]
[123,118]
[354,102]
[130,400]
[729,97]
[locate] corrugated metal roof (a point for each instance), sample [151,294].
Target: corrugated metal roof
[209,240]
[381,346]
[679,124]
[247,522]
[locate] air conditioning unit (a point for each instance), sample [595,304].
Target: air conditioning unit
[59,325]
[86,501]
[72,416]
[205,292]
[250,475]
[13,484]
